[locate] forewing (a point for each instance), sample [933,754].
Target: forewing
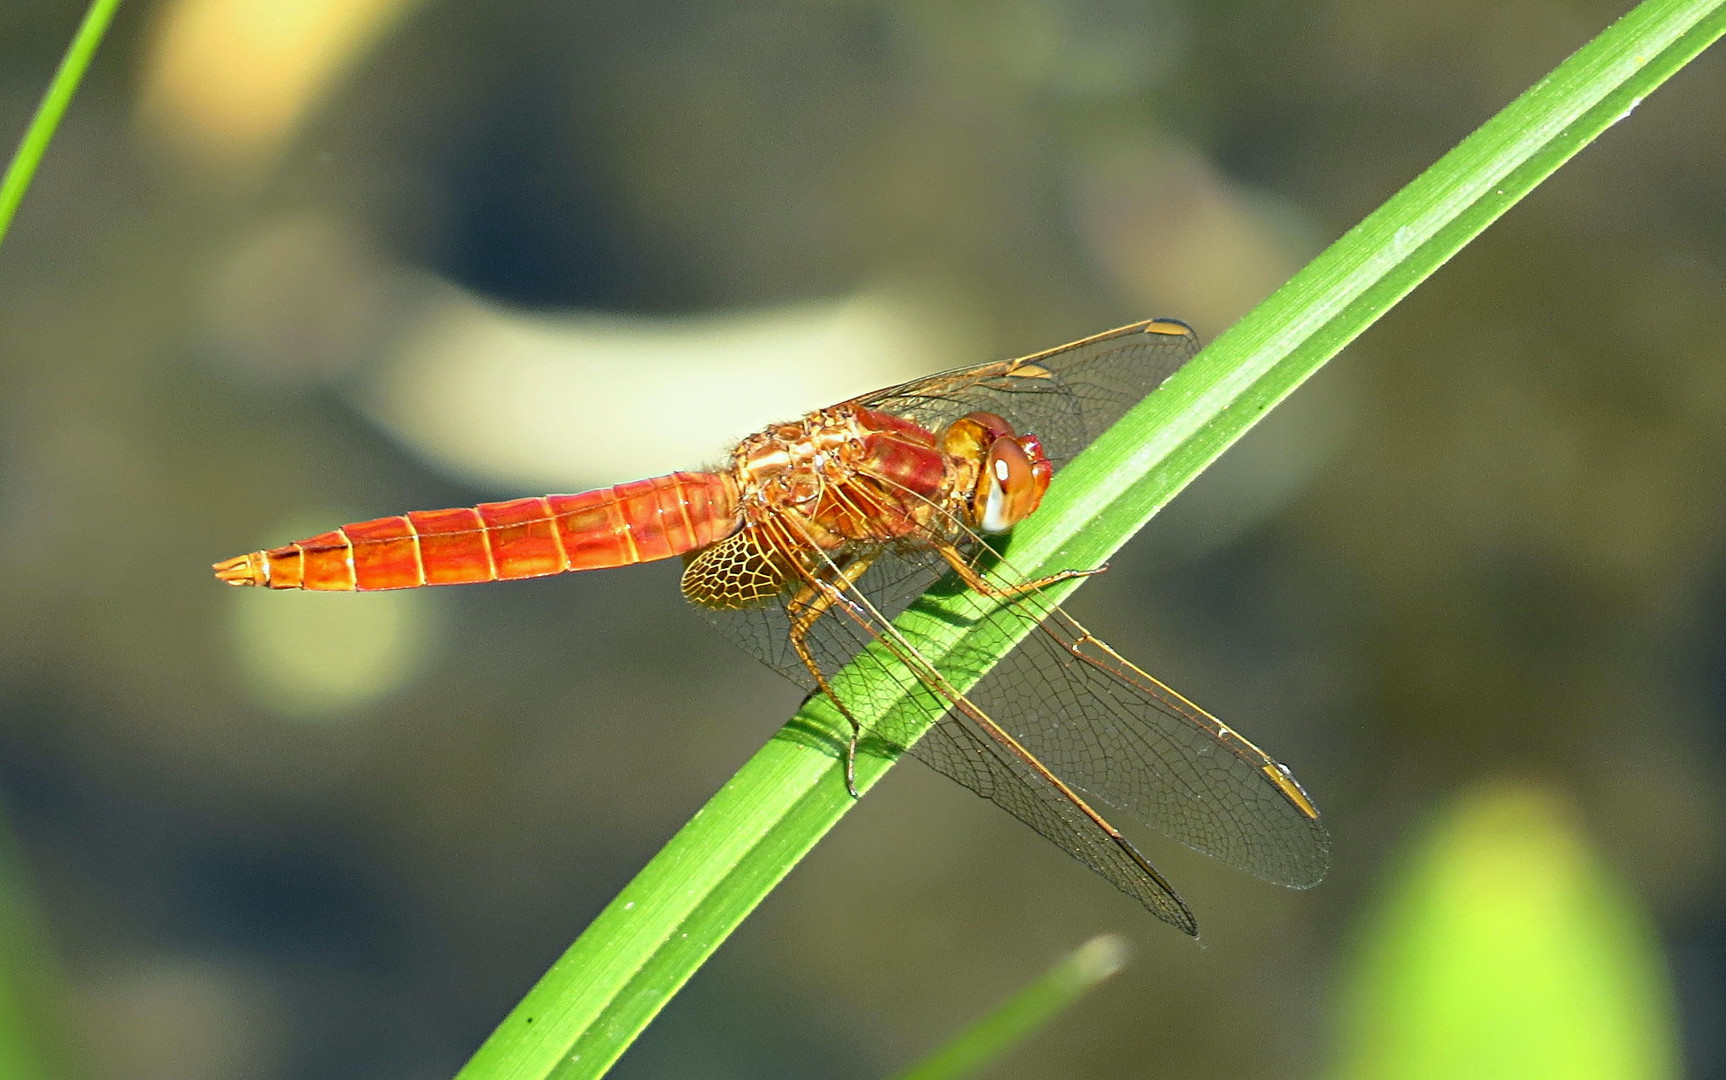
[960,745]
[1062,717]
[1066,396]
[1117,734]
[956,747]
[1103,727]
[1112,731]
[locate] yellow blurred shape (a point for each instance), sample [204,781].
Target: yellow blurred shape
[320,656]
[1506,950]
[531,402]
[227,83]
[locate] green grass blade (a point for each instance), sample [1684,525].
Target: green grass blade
[59,95]
[30,995]
[1025,1012]
[665,923]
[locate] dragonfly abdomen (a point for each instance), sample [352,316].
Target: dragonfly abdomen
[640,521]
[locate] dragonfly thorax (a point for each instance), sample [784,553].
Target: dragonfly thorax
[850,475]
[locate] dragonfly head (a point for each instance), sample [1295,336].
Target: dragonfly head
[1013,472]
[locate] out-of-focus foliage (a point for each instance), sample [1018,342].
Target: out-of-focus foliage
[32,995]
[1504,949]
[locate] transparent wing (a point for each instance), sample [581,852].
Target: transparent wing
[965,745]
[1092,726]
[1063,720]
[1116,733]
[1067,396]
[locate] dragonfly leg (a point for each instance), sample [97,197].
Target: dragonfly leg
[979,584]
[811,602]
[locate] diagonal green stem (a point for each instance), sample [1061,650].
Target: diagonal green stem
[54,102]
[617,976]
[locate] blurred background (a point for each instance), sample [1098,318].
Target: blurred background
[290,264]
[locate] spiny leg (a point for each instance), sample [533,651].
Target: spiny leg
[979,584]
[956,558]
[811,602]
[808,605]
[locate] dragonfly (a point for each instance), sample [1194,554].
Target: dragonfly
[807,543]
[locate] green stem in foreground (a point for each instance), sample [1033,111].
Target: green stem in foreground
[54,102]
[617,976]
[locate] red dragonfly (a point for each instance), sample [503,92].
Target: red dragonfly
[817,533]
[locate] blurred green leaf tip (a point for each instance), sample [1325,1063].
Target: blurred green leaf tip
[1505,949]
[1025,1013]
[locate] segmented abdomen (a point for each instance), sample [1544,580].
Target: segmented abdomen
[636,522]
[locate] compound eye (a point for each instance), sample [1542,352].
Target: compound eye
[1010,487]
[992,424]
[972,434]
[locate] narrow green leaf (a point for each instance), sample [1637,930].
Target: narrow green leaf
[59,95]
[32,1034]
[646,944]
[1505,951]
[1025,1012]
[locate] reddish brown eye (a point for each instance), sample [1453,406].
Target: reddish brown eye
[971,435]
[996,426]
[1010,488]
